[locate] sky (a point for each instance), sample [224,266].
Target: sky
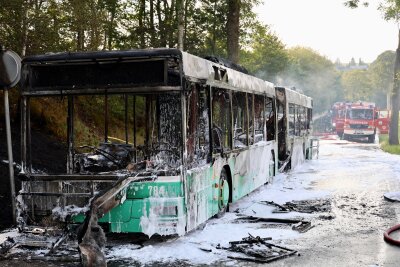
[330,28]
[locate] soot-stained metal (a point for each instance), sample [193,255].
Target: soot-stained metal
[92,168]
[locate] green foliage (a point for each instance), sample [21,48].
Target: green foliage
[356,85]
[40,26]
[355,3]
[390,10]
[314,74]
[265,55]
[381,75]
[385,146]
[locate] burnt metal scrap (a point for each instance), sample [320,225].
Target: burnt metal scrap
[41,244]
[299,225]
[6,246]
[109,157]
[257,249]
[302,206]
[106,157]
[91,238]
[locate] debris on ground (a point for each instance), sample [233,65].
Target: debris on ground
[257,249]
[42,245]
[392,196]
[326,217]
[297,224]
[302,206]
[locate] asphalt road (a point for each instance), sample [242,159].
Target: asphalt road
[352,176]
[356,175]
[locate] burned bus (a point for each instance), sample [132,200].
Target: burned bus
[193,136]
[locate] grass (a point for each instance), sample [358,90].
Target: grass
[384,142]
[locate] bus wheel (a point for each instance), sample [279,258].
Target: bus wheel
[223,193]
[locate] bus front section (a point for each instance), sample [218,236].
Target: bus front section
[122,155]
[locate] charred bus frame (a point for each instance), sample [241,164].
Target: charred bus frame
[228,142]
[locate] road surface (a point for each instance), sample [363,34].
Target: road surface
[351,177]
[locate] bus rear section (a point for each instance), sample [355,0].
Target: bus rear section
[294,128]
[360,121]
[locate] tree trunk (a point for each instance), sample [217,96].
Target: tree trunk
[111,25]
[185,22]
[171,24]
[24,28]
[214,30]
[80,39]
[232,27]
[181,23]
[142,10]
[394,121]
[161,23]
[152,28]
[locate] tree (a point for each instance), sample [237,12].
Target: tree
[266,55]
[181,23]
[314,74]
[232,27]
[356,85]
[391,12]
[381,75]
[352,62]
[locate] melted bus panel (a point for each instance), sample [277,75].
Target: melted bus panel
[179,138]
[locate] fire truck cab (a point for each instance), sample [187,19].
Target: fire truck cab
[359,121]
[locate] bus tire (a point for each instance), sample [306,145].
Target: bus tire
[223,193]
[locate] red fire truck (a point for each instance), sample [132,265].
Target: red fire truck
[382,122]
[337,117]
[360,121]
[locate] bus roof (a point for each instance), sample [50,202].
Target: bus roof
[98,55]
[200,68]
[297,98]
[194,67]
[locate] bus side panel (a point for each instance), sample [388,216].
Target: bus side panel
[201,196]
[297,152]
[251,169]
